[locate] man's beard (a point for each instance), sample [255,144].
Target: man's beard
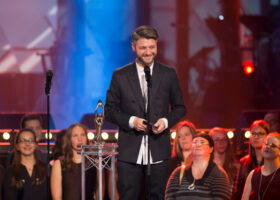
[145,63]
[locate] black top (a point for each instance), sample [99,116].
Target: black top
[29,191]
[268,185]
[124,99]
[173,163]
[243,172]
[71,183]
[42,156]
[2,173]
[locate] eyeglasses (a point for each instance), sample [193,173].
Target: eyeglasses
[224,140]
[271,145]
[184,135]
[24,141]
[201,142]
[259,134]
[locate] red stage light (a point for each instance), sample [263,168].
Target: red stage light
[248,67]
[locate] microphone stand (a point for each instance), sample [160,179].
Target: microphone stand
[49,75]
[149,86]
[48,143]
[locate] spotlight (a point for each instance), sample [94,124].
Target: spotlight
[248,67]
[46,135]
[173,135]
[90,135]
[203,131]
[230,134]
[6,136]
[105,136]
[247,134]
[221,17]
[117,135]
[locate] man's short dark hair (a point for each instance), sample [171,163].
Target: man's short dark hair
[29,117]
[145,31]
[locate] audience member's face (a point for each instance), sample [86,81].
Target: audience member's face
[257,137]
[201,147]
[274,122]
[26,143]
[271,148]
[220,142]
[145,50]
[78,137]
[185,138]
[35,125]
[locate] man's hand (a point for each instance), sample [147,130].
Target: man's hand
[139,125]
[158,127]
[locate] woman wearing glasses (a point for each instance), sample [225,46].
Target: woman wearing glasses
[202,179]
[25,179]
[259,129]
[223,154]
[264,181]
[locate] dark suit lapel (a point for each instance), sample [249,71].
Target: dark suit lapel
[135,86]
[156,80]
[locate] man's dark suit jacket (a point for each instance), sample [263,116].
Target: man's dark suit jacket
[124,99]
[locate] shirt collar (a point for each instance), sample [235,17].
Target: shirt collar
[140,69]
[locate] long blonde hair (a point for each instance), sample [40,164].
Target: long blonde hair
[177,150]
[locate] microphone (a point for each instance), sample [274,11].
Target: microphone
[148,76]
[49,76]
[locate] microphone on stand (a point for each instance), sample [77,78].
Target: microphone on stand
[148,76]
[49,76]
[48,84]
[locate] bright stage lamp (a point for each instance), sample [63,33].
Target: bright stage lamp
[248,67]
[230,134]
[6,136]
[105,136]
[117,135]
[90,135]
[173,135]
[46,135]
[247,134]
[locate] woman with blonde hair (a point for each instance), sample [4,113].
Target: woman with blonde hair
[264,181]
[181,152]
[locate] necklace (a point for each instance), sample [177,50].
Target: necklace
[192,186]
[259,195]
[29,168]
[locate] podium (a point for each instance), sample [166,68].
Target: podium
[99,156]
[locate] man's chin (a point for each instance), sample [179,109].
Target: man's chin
[146,62]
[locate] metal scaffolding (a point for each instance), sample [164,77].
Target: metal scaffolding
[99,156]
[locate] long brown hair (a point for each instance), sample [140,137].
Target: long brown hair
[229,162]
[40,167]
[67,160]
[252,153]
[177,150]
